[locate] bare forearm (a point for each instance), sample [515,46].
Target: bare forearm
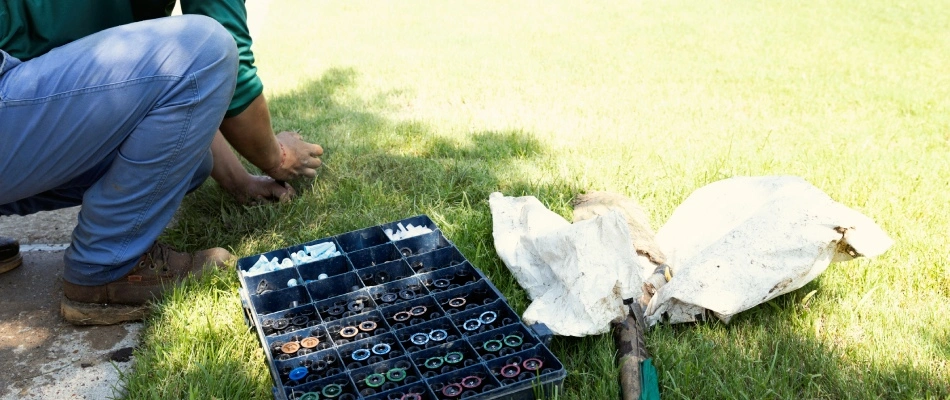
[228,170]
[283,157]
[250,133]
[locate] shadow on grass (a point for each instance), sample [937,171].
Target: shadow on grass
[378,170]
[375,170]
[778,363]
[778,358]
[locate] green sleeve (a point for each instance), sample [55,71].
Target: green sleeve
[233,16]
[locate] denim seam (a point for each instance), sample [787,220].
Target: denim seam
[171,160]
[3,63]
[91,89]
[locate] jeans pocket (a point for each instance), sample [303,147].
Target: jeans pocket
[7,62]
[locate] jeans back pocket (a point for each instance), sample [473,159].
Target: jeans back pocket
[7,62]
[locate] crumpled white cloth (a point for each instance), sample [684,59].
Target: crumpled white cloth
[740,242]
[731,245]
[576,274]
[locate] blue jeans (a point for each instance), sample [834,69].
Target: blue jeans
[121,122]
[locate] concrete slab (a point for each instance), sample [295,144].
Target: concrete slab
[42,356]
[49,227]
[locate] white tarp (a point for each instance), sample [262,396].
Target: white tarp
[739,242]
[577,274]
[731,245]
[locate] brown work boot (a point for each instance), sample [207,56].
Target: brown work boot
[126,299]
[9,254]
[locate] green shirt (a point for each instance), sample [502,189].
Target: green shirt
[30,28]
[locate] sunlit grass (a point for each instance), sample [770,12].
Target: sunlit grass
[428,107]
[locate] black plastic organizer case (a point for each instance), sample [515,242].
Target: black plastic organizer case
[389,319]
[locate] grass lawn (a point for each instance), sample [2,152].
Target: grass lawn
[427,107]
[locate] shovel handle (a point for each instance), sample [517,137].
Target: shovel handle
[631,352]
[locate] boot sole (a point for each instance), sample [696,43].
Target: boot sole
[78,313]
[10,263]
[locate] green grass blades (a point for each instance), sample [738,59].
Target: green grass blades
[428,107]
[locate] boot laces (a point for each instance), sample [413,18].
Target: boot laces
[157,257]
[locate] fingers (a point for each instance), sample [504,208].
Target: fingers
[309,168]
[304,156]
[313,163]
[308,172]
[316,150]
[281,191]
[263,189]
[288,194]
[309,165]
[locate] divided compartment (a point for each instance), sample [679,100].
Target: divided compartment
[331,267]
[485,318]
[436,259]
[309,368]
[418,220]
[270,281]
[361,239]
[374,256]
[245,263]
[296,248]
[276,280]
[382,274]
[462,383]
[435,332]
[335,286]
[278,300]
[445,358]
[356,328]
[467,297]
[412,312]
[370,351]
[422,244]
[503,342]
[344,306]
[385,376]
[287,321]
[397,291]
[304,343]
[450,278]
[517,371]
[417,391]
[337,387]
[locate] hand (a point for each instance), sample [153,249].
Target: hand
[298,158]
[258,189]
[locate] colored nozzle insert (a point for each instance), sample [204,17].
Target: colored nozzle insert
[332,390]
[298,373]
[396,374]
[375,380]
